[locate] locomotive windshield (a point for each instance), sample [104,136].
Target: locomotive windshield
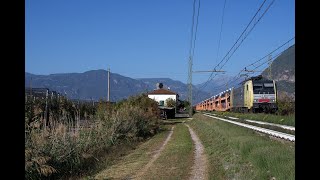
[257,87]
[263,87]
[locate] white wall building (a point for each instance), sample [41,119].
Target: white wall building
[161,95]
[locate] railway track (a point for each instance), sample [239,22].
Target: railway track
[277,134]
[264,123]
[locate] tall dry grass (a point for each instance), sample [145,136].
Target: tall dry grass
[67,149]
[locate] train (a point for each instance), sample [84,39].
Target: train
[256,94]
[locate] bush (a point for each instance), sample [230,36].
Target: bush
[286,105]
[66,149]
[170,102]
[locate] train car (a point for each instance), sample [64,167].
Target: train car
[256,94]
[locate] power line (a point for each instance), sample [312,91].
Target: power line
[191,53]
[249,32]
[263,63]
[243,32]
[195,34]
[238,76]
[208,71]
[190,62]
[224,6]
[192,27]
[287,42]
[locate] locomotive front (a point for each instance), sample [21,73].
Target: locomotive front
[264,95]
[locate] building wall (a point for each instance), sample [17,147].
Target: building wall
[162,97]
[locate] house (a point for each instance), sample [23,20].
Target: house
[161,95]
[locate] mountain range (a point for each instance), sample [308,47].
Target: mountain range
[92,85]
[283,71]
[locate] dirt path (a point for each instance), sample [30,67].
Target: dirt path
[199,168]
[155,156]
[135,164]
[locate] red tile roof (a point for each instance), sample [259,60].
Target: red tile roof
[162,91]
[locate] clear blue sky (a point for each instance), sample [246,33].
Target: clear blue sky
[148,38]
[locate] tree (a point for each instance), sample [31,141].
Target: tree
[170,102]
[286,104]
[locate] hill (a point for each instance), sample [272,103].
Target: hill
[283,71]
[88,85]
[177,86]
[218,84]
[93,85]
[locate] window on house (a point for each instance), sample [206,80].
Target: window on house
[161,103]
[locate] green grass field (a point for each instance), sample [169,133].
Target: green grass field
[237,153]
[176,160]
[128,165]
[233,152]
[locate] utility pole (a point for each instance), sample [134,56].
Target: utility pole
[190,86]
[108,85]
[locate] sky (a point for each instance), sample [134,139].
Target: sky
[151,38]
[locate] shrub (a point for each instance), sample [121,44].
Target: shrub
[66,149]
[170,102]
[286,105]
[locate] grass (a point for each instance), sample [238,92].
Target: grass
[127,166]
[266,126]
[64,149]
[106,159]
[237,153]
[176,159]
[174,162]
[271,118]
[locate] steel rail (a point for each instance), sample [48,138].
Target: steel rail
[259,129]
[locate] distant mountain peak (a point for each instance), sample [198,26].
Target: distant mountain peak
[93,85]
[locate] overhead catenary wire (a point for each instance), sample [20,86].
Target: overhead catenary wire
[195,34]
[264,57]
[224,6]
[249,32]
[237,77]
[256,66]
[234,45]
[192,28]
[191,50]
[242,32]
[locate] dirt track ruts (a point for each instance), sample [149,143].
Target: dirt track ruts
[199,168]
[155,156]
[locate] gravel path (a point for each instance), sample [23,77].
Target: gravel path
[155,156]
[199,168]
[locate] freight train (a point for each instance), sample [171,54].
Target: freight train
[256,94]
